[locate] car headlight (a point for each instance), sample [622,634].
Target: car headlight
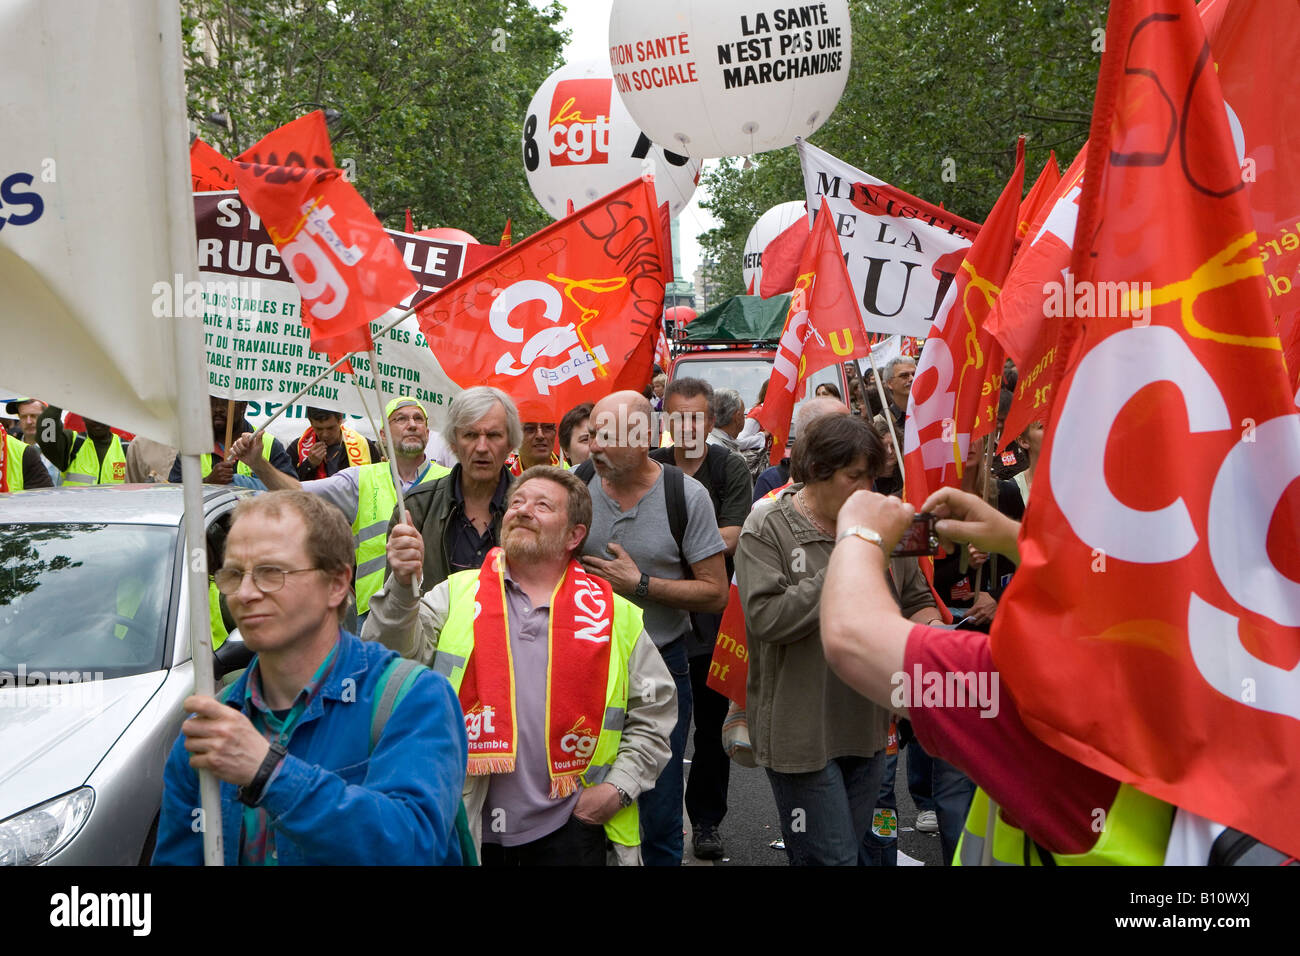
[35,835]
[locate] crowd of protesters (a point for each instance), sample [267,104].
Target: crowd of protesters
[569,578]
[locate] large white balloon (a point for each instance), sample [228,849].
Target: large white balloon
[580,143]
[729,77]
[770,225]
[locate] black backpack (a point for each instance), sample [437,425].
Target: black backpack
[704,627]
[674,501]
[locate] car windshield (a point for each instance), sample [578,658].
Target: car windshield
[83,599]
[746,375]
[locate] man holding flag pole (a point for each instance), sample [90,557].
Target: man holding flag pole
[70,279]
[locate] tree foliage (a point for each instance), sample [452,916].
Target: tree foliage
[931,81]
[430,95]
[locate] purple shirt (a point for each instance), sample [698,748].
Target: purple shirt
[519,808]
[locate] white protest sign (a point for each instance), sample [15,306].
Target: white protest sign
[257,348]
[902,253]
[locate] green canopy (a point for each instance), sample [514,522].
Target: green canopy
[742,318]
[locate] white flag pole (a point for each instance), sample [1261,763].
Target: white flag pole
[388,434]
[361,394]
[884,405]
[307,388]
[192,399]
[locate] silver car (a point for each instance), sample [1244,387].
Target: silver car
[94,665]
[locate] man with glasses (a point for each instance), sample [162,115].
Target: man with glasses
[898,385]
[364,493]
[307,775]
[537,448]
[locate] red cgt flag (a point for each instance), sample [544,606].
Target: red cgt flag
[1026,317]
[729,666]
[565,316]
[1152,630]
[345,266]
[947,400]
[823,327]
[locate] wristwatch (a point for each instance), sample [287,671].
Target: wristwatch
[251,793]
[643,586]
[866,534]
[624,800]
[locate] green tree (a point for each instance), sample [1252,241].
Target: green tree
[932,81]
[426,98]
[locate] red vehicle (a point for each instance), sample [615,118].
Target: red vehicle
[733,346]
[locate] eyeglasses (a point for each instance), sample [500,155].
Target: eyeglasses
[401,420]
[266,578]
[546,428]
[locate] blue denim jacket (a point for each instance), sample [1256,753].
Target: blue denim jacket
[333,801]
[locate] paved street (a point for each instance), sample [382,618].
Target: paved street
[751,824]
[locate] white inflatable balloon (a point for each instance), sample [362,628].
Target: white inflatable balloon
[580,143]
[770,225]
[729,77]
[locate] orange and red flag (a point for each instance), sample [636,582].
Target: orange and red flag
[1025,319]
[1152,630]
[209,170]
[729,666]
[823,327]
[948,402]
[564,316]
[346,268]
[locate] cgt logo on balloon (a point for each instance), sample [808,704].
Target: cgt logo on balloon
[578,132]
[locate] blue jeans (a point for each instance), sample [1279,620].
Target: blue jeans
[661,808]
[826,813]
[953,791]
[875,850]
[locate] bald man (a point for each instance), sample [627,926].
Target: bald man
[778,476]
[632,545]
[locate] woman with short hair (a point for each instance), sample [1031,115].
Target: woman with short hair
[821,742]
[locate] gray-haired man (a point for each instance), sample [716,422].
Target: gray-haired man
[897,376]
[459,515]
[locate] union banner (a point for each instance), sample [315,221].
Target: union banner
[554,320]
[1152,630]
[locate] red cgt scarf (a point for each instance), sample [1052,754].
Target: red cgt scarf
[578,648]
[356,447]
[4,462]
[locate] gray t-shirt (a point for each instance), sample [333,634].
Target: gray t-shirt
[643,532]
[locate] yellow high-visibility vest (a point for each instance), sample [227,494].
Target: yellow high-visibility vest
[376,499]
[456,643]
[87,469]
[1134,832]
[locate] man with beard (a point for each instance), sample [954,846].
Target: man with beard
[365,493]
[218,468]
[568,706]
